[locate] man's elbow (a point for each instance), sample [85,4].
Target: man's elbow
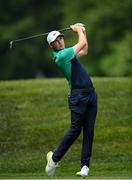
[86,50]
[84,44]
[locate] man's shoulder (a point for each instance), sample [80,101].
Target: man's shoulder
[65,54]
[61,52]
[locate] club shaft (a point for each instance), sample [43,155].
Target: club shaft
[38,35]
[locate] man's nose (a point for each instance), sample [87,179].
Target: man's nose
[59,42]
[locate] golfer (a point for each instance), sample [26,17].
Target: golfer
[82,99]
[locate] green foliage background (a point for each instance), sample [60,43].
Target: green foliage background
[34,116]
[109,29]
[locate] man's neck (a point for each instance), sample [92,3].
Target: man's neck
[57,50]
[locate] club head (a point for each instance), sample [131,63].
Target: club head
[11,44]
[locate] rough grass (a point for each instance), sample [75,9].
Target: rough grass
[34,116]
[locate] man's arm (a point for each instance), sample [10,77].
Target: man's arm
[84,51]
[81,48]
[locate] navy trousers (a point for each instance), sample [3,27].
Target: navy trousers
[83,106]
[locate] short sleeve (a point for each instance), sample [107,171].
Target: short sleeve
[66,54]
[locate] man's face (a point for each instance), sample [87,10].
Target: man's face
[58,44]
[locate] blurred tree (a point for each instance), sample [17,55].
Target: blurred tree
[108,25]
[26,18]
[106,22]
[118,63]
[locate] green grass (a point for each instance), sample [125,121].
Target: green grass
[34,116]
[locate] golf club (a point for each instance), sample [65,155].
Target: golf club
[35,36]
[38,35]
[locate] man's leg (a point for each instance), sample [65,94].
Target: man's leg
[88,134]
[77,116]
[70,137]
[67,141]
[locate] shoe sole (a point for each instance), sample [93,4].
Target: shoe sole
[81,175]
[48,157]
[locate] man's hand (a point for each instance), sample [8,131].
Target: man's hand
[76,27]
[81,48]
[82,26]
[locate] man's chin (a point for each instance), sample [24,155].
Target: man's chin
[61,48]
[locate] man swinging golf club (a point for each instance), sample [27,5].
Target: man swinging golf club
[82,99]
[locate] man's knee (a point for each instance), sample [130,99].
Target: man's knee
[76,131]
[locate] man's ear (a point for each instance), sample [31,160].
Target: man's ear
[50,45]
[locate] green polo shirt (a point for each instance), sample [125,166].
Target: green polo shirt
[72,69]
[63,59]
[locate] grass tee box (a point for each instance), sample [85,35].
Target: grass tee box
[34,116]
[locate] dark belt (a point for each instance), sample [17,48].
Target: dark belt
[87,91]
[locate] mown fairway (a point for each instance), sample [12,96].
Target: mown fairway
[34,116]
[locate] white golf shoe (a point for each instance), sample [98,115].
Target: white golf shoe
[84,171]
[51,165]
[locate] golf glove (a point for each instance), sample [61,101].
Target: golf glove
[82,26]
